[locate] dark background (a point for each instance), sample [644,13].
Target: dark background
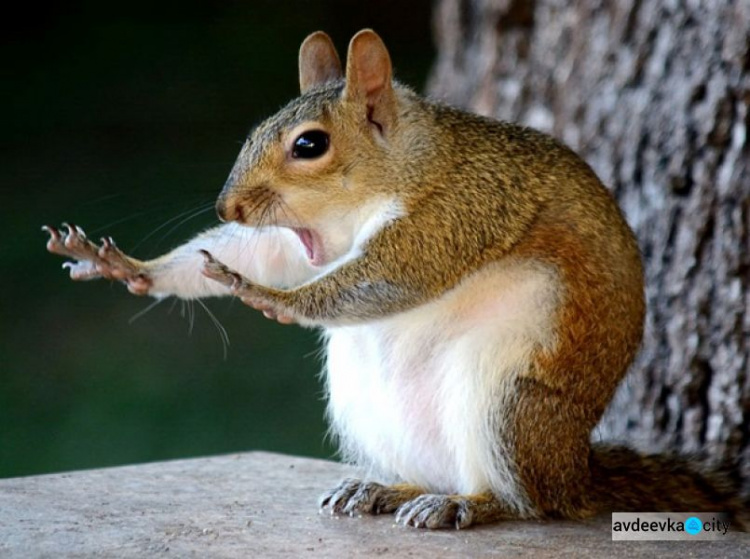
[120,121]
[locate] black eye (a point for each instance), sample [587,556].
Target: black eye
[310,144]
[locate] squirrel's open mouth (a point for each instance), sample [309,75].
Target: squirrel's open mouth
[312,244]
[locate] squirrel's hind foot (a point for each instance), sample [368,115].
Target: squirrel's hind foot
[437,511]
[413,507]
[353,496]
[453,511]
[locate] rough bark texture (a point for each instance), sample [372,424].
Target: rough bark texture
[655,96]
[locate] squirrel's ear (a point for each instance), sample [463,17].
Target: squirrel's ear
[368,76]
[318,61]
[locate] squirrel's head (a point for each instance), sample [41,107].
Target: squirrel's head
[321,165]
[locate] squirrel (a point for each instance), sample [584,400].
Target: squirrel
[481,295]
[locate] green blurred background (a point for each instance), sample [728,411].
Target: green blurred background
[119,119]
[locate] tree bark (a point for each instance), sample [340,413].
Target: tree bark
[655,96]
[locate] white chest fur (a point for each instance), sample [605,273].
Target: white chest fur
[413,397]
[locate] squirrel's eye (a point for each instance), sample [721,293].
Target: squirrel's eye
[310,144]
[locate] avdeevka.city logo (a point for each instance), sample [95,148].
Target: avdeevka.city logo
[693,525]
[669,526]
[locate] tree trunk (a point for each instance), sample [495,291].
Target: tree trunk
[655,96]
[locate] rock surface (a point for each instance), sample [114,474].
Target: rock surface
[265,505]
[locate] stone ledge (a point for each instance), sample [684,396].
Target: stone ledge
[259,504]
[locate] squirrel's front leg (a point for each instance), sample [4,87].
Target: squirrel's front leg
[271,256]
[341,294]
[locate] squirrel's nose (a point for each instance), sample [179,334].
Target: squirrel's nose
[221,210]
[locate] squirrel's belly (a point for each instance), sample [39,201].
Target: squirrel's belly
[418,396]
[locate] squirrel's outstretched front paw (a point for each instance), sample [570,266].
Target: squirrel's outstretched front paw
[96,261]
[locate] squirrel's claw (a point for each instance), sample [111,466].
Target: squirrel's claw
[355,497]
[55,243]
[337,499]
[72,243]
[77,243]
[53,233]
[59,243]
[215,270]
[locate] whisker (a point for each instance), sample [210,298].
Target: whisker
[182,222]
[288,211]
[167,204]
[317,354]
[140,313]
[191,316]
[285,253]
[263,201]
[104,198]
[119,221]
[193,213]
[222,331]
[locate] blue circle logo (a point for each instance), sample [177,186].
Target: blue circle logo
[693,525]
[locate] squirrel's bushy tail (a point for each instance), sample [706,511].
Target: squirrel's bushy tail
[628,481]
